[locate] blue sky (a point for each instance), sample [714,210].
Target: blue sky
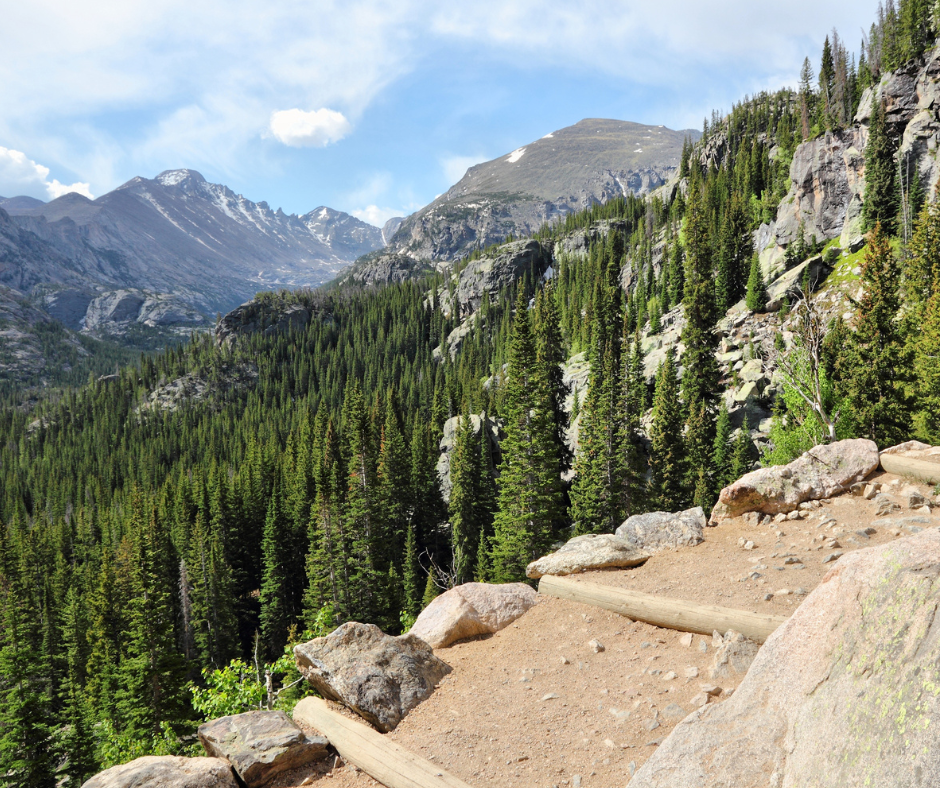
[369,106]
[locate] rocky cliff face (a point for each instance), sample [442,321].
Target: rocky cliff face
[827,174]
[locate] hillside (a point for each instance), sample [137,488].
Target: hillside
[515,194]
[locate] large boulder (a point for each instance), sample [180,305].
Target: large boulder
[260,744]
[843,694]
[655,531]
[821,472]
[378,676]
[584,553]
[472,609]
[166,771]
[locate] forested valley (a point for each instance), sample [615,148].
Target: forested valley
[157,560]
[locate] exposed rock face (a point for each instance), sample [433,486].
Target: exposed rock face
[841,695]
[262,316]
[260,744]
[825,175]
[790,284]
[378,676]
[583,553]
[487,275]
[820,473]
[167,771]
[655,531]
[127,306]
[472,609]
[385,267]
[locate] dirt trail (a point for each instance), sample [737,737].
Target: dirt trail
[534,705]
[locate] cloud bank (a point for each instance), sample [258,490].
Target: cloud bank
[20,175]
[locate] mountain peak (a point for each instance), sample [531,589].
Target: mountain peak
[176,177]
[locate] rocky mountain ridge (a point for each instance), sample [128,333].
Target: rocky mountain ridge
[567,170]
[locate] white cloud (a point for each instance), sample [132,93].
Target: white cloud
[374,215]
[455,167]
[20,175]
[316,129]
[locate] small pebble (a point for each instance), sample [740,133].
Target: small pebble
[596,646]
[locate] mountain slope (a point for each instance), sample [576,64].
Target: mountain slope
[562,172]
[200,241]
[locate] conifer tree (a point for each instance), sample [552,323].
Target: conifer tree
[667,451]
[631,407]
[530,496]
[880,204]
[878,360]
[411,580]
[927,366]
[431,591]
[277,554]
[740,455]
[152,673]
[463,506]
[721,457]
[756,298]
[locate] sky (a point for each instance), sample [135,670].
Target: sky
[373,107]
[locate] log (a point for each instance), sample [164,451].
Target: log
[900,465]
[382,759]
[662,611]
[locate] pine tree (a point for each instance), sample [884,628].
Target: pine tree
[927,367]
[740,455]
[431,591]
[631,407]
[152,672]
[922,266]
[756,291]
[880,204]
[530,500]
[463,506]
[878,359]
[277,552]
[721,456]
[412,574]
[667,452]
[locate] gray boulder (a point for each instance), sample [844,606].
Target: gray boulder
[584,553]
[378,676]
[842,695]
[821,472]
[733,655]
[260,744]
[166,771]
[655,531]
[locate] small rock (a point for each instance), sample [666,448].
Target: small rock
[609,743]
[768,597]
[869,531]
[691,672]
[832,557]
[596,646]
[700,700]
[712,690]
[549,696]
[871,491]
[651,725]
[576,781]
[564,661]
[782,592]
[703,645]
[670,676]
[912,497]
[632,768]
[686,639]
[674,712]
[796,514]
[792,560]
[748,545]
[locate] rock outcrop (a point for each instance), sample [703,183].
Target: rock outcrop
[166,771]
[820,473]
[655,531]
[584,553]
[378,676]
[260,744]
[843,695]
[472,609]
[487,275]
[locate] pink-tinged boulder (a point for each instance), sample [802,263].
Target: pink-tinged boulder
[472,609]
[845,694]
[166,771]
[588,552]
[821,472]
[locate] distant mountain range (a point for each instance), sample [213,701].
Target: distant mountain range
[565,171]
[181,236]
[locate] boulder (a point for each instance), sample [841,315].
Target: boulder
[378,676]
[583,553]
[472,609]
[655,531]
[821,472]
[260,744]
[166,771]
[843,695]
